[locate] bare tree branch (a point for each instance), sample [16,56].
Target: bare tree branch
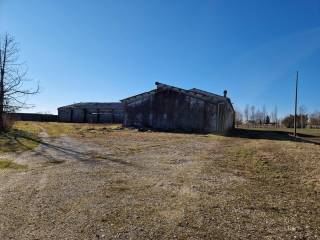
[13,75]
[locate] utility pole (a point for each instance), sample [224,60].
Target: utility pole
[296,106]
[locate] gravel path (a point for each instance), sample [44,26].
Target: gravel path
[78,189]
[44,201]
[132,185]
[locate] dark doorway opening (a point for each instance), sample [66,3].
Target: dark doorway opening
[71,115]
[84,115]
[98,115]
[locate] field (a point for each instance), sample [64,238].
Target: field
[82,181]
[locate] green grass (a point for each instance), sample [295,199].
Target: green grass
[312,132]
[18,141]
[7,164]
[308,131]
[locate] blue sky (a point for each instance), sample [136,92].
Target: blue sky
[108,50]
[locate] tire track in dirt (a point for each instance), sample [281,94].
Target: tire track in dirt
[26,194]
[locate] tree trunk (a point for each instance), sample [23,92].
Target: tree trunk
[2,69]
[12,77]
[1,101]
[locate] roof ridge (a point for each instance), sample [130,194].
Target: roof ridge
[196,93]
[92,104]
[205,92]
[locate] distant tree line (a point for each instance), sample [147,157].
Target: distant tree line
[315,119]
[304,119]
[252,116]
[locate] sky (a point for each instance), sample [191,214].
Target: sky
[107,50]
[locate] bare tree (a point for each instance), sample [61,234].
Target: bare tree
[259,117]
[239,118]
[13,75]
[253,111]
[315,119]
[274,115]
[264,111]
[246,113]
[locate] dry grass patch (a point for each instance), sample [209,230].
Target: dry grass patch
[7,164]
[57,129]
[276,189]
[152,185]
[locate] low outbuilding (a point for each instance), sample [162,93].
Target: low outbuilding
[92,112]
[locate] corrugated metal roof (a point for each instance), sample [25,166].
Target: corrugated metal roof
[96,105]
[209,94]
[139,95]
[196,93]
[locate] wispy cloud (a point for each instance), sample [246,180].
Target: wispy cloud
[268,64]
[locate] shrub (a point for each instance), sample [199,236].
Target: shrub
[302,121]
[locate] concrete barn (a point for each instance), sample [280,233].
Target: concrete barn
[92,112]
[169,108]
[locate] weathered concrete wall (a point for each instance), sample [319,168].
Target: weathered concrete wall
[172,111]
[225,118]
[79,115]
[64,115]
[169,110]
[229,121]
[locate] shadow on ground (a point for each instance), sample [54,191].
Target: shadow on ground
[84,156]
[273,135]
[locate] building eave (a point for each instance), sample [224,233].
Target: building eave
[202,95]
